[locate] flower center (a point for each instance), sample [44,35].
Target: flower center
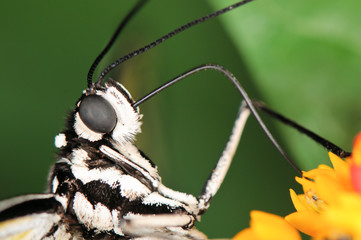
[315,202]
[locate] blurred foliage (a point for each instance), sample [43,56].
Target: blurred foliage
[300,57]
[305,59]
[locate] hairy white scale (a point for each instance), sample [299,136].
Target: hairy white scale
[63,201]
[154,179]
[109,175]
[156,199]
[190,202]
[132,152]
[130,186]
[84,132]
[117,222]
[62,233]
[128,120]
[60,140]
[55,184]
[92,216]
[30,225]
[79,156]
[156,227]
[64,160]
[157,221]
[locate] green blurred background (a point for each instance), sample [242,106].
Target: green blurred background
[300,57]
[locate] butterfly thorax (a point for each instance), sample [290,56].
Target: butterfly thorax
[101,178]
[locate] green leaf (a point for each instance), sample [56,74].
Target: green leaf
[305,57]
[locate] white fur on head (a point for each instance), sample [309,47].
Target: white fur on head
[128,120]
[84,132]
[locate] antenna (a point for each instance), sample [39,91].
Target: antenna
[166,37]
[318,139]
[240,89]
[121,26]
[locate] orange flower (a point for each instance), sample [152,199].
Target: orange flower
[266,226]
[339,221]
[330,207]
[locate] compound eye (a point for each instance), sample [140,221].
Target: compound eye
[97,114]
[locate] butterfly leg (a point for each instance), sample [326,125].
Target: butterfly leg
[218,174]
[160,226]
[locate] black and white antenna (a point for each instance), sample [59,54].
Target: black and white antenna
[121,26]
[152,44]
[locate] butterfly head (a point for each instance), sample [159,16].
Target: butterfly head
[107,111]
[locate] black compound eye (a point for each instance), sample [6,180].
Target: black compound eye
[97,114]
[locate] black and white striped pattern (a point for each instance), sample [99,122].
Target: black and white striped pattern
[103,187]
[102,178]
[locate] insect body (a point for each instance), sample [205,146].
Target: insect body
[102,186]
[111,179]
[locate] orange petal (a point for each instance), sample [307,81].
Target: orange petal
[299,201]
[324,167]
[272,227]
[308,222]
[306,184]
[346,216]
[314,173]
[342,168]
[246,234]
[328,189]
